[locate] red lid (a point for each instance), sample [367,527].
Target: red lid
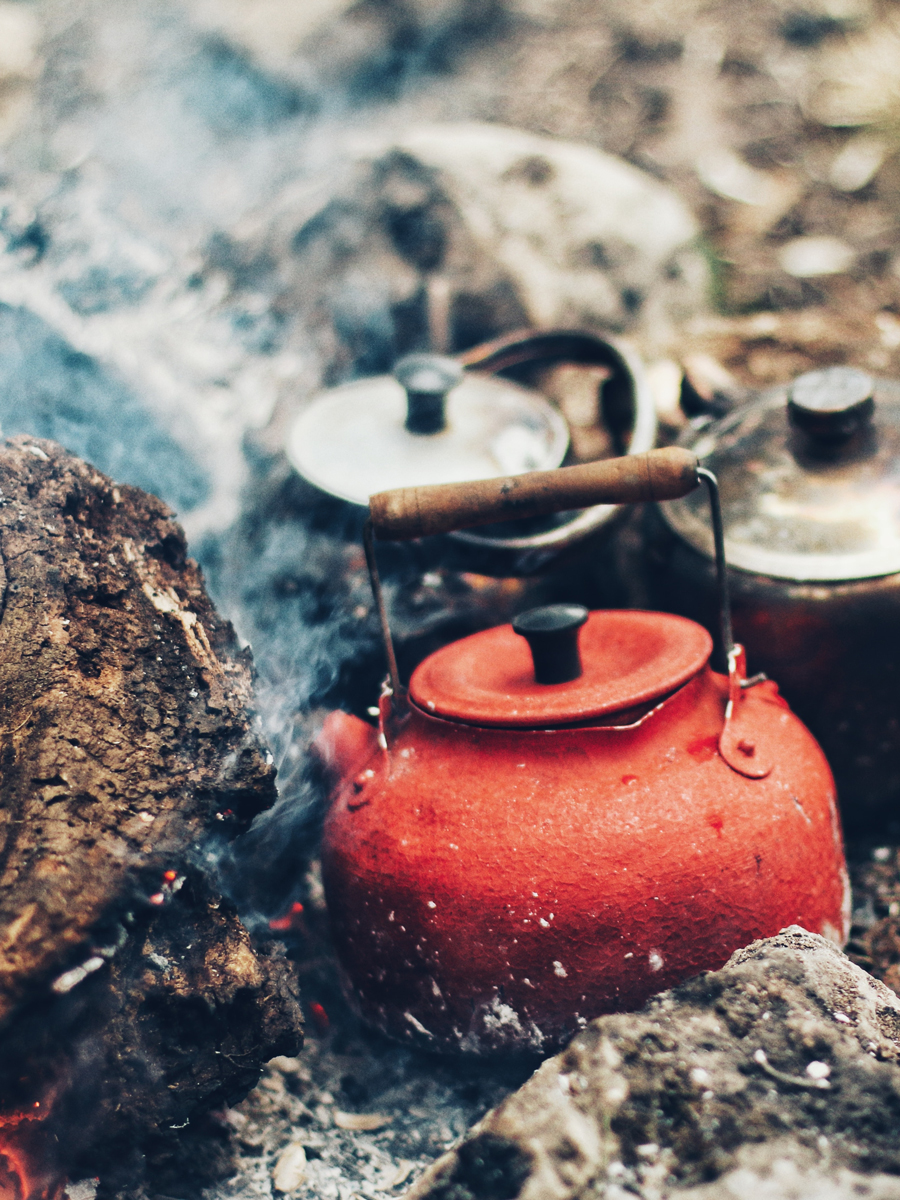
[629,658]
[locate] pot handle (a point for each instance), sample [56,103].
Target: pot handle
[667,474]
[414,512]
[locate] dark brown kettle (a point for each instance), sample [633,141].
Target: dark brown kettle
[810,485]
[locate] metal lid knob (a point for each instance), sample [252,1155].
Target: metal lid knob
[552,634]
[427,379]
[831,404]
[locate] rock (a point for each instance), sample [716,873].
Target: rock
[785,1170]
[857,76]
[360,1122]
[809,257]
[857,163]
[290,1170]
[711,1091]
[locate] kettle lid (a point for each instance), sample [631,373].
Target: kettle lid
[809,477]
[629,659]
[429,422]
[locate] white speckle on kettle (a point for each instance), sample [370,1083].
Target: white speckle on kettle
[431,904]
[560,970]
[630,954]
[431,705]
[655,960]
[546,924]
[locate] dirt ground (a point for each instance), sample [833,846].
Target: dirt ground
[777,121]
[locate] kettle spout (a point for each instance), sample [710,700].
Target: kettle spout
[345,744]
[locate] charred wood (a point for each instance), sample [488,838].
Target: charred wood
[131,997]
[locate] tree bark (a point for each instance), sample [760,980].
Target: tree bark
[131,996]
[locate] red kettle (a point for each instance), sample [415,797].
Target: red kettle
[564,816]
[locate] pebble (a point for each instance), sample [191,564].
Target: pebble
[290,1169]
[361,1122]
[813,256]
[857,164]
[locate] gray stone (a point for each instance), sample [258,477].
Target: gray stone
[776,1077]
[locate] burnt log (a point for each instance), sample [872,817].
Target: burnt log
[131,996]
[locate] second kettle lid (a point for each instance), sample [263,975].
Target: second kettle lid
[629,658]
[353,441]
[809,477]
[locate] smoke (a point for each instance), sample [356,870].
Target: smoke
[138,329]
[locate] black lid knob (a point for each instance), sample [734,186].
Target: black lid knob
[831,404]
[427,379]
[552,634]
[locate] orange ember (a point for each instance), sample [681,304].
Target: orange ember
[27,1167]
[290,920]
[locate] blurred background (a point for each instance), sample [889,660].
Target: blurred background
[212,209]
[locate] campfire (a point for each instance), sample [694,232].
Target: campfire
[231,233]
[27,1157]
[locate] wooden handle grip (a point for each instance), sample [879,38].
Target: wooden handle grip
[413,512]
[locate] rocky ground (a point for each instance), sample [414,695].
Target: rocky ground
[788,1046]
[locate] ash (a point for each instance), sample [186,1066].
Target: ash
[369,1114]
[370,1118]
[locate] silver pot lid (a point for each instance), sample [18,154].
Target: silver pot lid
[809,477]
[430,422]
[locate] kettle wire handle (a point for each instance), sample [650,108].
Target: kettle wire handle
[667,474]
[715,507]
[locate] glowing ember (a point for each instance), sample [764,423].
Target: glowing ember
[290,920]
[320,1017]
[27,1168]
